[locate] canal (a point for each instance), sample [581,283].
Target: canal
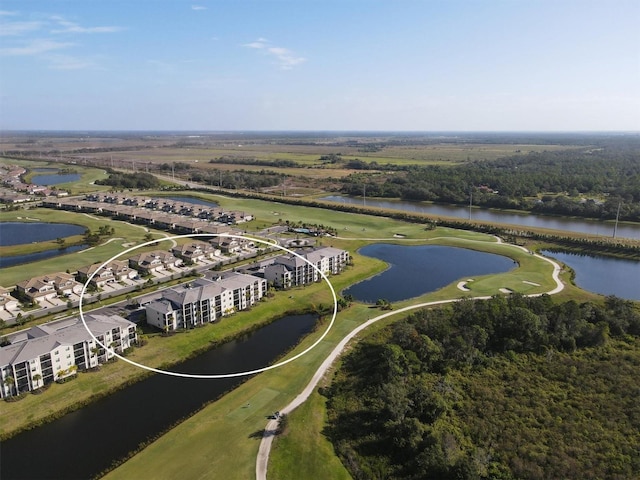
[87,441]
[593,227]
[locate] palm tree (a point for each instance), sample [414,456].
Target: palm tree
[9,382]
[36,380]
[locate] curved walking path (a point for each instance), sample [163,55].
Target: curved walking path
[264,450]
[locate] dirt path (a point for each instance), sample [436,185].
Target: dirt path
[262,459]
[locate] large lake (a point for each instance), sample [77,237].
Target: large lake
[84,443]
[419,269]
[603,275]
[593,227]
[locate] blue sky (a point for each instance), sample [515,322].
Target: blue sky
[429,65]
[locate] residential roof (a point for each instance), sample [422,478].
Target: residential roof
[42,339]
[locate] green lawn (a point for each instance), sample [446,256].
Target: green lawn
[303,448]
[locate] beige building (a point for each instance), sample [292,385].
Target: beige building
[55,350]
[48,286]
[291,270]
[205,301]
[154,261]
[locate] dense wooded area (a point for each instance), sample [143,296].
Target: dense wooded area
[237,179]
[588,182]
[142,180]
[505,388]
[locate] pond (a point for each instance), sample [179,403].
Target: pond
[84,443]
[20,233]
[51,176]
[603,275]
[416,270]
[593,227]
[36,256]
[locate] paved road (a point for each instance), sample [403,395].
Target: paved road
[262,459]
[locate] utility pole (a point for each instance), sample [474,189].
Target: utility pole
[364,195]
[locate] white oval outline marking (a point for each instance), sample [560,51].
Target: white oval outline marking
[204,376]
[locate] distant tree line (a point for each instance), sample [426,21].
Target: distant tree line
[281,163]
[505,388]
[580,182]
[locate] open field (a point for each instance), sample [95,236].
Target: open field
[124,150]
[309,155]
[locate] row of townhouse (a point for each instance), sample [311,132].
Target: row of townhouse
[7,302]
[50,286]
[181,216]
[49,352]
[205,301]
[114,271]
[46,287]
[290,270]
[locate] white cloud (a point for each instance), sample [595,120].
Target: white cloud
[6,13]
[285,58]
[254,45]
[71,27]
[34,47]
[198,7]
[67,62]
[9,29]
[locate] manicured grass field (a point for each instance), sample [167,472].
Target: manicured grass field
[303,447]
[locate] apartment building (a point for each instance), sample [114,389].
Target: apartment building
[205,301]
[55,350]
[290,270]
